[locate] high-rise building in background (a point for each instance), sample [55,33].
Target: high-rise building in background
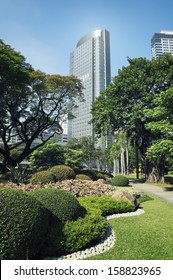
[90,62]
[162,43]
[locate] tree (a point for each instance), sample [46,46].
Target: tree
[120,154]
[49,155]
[73,158]
[115,152]
[84,144]
[161,151]
[33,105]
[122,105]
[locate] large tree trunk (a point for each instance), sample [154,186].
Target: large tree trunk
[155,173]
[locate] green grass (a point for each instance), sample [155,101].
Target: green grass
[145,237]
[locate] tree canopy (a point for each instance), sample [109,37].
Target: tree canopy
[33,105]
[122,106]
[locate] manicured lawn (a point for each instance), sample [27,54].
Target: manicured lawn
[146,237]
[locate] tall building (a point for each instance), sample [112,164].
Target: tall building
[90,62]
[162,43]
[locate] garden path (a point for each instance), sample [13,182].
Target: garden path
[164,193]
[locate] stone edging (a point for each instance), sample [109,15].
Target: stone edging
[106,244]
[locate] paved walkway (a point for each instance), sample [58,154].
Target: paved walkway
[157,191]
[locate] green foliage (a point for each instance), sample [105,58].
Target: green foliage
[62,172]
[23,225]
[144,197]
[85,146]
[42,177]
[122,106]
[77,235]
[83,177]
[120,180]
[90,173]
[103,175]
[160,150]
[107,205]
[33,105]
[143,237]
[47,156]
[169,179]
[73,157]
[162,125]
[62,205]
[18,174]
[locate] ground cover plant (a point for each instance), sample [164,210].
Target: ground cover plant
[108,205]
[145,237]
[76,235]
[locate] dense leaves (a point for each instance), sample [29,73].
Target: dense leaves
[33,105]
[122,106]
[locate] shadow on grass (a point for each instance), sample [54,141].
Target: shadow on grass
[140,180]
[169,189]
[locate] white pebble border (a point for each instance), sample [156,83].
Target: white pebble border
[106,244]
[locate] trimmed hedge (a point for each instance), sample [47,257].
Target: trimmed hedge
[42,177]
[62,172]
[120,180]
[62,205]
[107,205]
[76,235]
[23,225]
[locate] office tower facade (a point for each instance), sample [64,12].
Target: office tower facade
[162,43]
[90,62]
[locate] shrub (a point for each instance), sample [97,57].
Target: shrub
[83,177]
[107,204]
[76,235]
[103,175]
[120,180]
[42,177]
[46,156]
[144,197]
[62,205]
[169,180]
[23,223]
[90,173]
[62,172]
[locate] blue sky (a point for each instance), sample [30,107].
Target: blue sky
[47,31]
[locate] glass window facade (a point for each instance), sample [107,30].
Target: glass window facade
[90,62]
[162,43]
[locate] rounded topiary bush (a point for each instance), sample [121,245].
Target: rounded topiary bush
[83,177]
[62,205]
[23,225]
[62,172]
[42,177]
[90,173]
[120,180]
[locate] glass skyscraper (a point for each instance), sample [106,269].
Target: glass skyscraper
[162,43]
[90,62]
